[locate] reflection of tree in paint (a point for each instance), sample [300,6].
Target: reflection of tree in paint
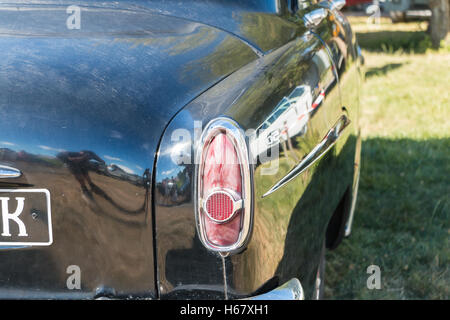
[175,189]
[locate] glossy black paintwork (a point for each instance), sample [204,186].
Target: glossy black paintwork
[81,114]
[261,24]
[289,224]
[84,112]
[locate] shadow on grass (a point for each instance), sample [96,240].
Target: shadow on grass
[391,41]
[402,224]
[379,71]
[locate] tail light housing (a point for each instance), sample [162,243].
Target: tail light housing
[224,188]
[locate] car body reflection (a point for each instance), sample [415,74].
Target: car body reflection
[79,164]
[289,119]
[174,189]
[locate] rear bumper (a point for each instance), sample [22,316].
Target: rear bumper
[291,290]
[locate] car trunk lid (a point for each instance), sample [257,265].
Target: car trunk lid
[81,115]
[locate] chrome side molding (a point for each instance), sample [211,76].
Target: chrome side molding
[318,152]
[337,4]
[333,4]
[291,290]
[314,18]
[9,172]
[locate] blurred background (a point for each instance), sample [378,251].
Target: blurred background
[402,221]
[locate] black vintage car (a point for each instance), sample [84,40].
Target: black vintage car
[167,149]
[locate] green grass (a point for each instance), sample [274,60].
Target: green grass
[387,37]
[402,219]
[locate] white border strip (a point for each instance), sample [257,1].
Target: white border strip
[49,214]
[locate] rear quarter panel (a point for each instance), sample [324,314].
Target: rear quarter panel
[290,224]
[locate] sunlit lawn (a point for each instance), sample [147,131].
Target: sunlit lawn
[402,221]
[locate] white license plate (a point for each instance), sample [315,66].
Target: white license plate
[25,217]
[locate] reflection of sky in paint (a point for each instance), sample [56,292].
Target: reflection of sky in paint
[167,168]
[127,166]
[6,143]
[99,95]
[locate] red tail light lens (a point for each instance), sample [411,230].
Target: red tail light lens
[220,206]
[224,189]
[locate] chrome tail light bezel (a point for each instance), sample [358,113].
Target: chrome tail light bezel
[237,137]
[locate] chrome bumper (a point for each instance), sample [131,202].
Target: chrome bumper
[291,290]
[418,14]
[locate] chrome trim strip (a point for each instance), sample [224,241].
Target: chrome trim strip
[332,5]
[318,152]
[291,290]
[314,18]
[9,172]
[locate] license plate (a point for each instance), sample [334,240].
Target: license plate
[25,217]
